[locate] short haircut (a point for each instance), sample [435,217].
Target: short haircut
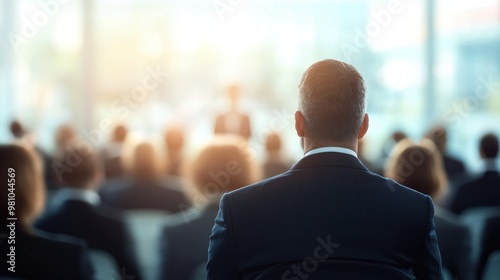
[28,181]
[332,100]
[489,146]
[83,166]
[418,166]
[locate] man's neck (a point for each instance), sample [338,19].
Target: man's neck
[309,144]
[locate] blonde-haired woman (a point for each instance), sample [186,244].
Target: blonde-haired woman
[420,167]
[223,165]
[33,254]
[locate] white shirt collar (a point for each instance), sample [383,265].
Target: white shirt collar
[65,194]
[331,150]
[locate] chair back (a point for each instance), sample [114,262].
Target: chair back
[104,264]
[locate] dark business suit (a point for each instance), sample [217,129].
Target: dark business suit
[244,129]
[454,244]
[102,229]
[481,192]
[452,166]
[328,201]
[146,195]
[41,255]
[490,242]
[184,245]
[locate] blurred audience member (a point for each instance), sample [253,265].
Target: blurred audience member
[65,137]
[38,255]
[112,154]
[274,164]
[174,143]
[420,167]
[223,166]
[454,167]
[233,121]
[147,191]
[77,211]
[485,190]
[17,129]
[490,243]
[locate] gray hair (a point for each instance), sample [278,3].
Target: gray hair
[332,100]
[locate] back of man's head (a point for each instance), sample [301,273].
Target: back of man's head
[85,168]
[332,101]
[489,146]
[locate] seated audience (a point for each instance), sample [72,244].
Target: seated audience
[420,167]
[112,153]
[274,164]
[146,191]
[490,243]
[77,212]
[37,255]
[485,190]
[328,200]
[223,166]
[453,167]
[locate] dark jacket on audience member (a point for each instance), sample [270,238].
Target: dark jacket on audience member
[490,242]
[41,255]
[184,245]
[102,229]
[454,244]
[452,166]
[327,199]
[481,192]
[146,195]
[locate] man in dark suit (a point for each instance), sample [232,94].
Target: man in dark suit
[328,206]
[76,211]
[233,121]
[454,167]
[485,190]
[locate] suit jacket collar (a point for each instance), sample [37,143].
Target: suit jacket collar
[330,159]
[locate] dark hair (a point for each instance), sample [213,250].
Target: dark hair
[439,136]
[120,133]
[144,165]
[332,100]
[489,146]
[82,165]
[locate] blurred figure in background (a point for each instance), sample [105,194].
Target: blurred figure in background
[38,255]
[485,190]
[366,162]
[112,154]
[388,147]
[224,165]
[146,190]
[77,211]
[275,163]
[65,137]
[233,121]
[453,167]
[420,167]
[174,143]
[490,243]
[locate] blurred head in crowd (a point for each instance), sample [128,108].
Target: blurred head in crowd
[332,106]
[17,130]
[488,146]
[78,168]
[418,166]
[65,136]
[144,165]
[439,136]
[222,166]
[120,133]
[273,143]
[24,166]
[174,142]
[398,136]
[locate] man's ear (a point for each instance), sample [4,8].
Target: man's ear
[364,126]
[299,123]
